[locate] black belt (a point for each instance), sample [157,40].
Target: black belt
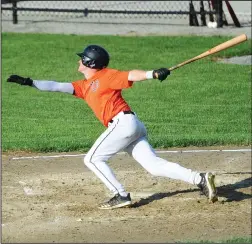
[125,112]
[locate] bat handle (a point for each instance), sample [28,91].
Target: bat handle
[156,74]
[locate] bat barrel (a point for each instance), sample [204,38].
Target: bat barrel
[235,41]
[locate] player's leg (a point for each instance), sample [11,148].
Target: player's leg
[118,135]
[143,153]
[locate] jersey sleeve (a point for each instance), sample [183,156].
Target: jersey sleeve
[119,80]
[79,89]
[54,86]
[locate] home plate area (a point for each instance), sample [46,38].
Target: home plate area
[55,199]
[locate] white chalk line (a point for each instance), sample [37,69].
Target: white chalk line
[164,151]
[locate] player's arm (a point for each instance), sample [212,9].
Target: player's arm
[141,75]
[43,85]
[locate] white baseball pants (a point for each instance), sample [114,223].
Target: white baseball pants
[128,133]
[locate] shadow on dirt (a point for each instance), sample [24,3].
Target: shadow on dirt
[230,193]
[227,191]
[159,196]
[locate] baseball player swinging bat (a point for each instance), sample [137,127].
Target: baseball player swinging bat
[235,41]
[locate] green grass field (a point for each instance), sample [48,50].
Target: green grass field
[201,104]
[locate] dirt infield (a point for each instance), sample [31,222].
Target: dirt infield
[50,200]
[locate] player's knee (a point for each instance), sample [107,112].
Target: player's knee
[92,159]
[87,159]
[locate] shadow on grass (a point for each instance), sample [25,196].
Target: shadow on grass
[227,191]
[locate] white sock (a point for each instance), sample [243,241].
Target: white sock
[197,179]
[123,193]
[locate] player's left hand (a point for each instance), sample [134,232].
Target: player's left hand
[20,80]
[161,73]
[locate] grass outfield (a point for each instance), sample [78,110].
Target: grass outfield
[201,104]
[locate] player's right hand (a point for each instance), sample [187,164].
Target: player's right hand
[161,74]
[20,80]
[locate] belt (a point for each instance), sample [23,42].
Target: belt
[125,112]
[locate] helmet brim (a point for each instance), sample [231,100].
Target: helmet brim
[80,54]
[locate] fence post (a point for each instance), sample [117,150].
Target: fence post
[193,21]
[85,12]
[219,13]
[202,14]
[14,12]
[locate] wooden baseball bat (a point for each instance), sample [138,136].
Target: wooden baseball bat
[237,40]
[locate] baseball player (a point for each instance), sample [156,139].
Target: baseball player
[101,89]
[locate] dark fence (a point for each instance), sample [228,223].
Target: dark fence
[197,12]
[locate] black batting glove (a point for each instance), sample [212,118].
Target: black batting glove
[20,80]
[161,74]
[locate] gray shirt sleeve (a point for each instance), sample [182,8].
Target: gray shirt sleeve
[54,86]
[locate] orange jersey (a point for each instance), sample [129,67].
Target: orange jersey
[102,93]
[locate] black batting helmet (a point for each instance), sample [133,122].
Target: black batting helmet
[94,57]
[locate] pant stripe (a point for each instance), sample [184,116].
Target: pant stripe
[95,151]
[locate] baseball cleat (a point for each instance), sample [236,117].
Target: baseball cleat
[207,186]
[116,201]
